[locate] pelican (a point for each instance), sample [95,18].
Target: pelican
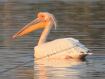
[60,48]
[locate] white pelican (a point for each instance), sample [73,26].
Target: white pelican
[59,48]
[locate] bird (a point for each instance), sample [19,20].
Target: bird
[61,48]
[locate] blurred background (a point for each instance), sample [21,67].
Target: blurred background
[80,19]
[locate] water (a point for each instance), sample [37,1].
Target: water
[93,68]
[82,20]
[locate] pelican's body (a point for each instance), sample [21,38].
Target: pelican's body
[59,48]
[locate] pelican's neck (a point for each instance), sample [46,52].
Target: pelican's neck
[44,34]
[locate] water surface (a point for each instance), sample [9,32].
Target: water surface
[82,20]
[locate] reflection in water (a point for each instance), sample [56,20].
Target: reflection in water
[24,73]
[70,69]
[82,20]
[57,69]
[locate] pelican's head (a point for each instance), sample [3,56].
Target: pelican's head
[44,19]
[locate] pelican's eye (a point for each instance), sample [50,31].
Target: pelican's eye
[42,16]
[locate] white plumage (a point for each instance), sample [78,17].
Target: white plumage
[61,48]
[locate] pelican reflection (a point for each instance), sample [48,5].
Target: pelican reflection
[57,69]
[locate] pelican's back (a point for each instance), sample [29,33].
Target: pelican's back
[61,48]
